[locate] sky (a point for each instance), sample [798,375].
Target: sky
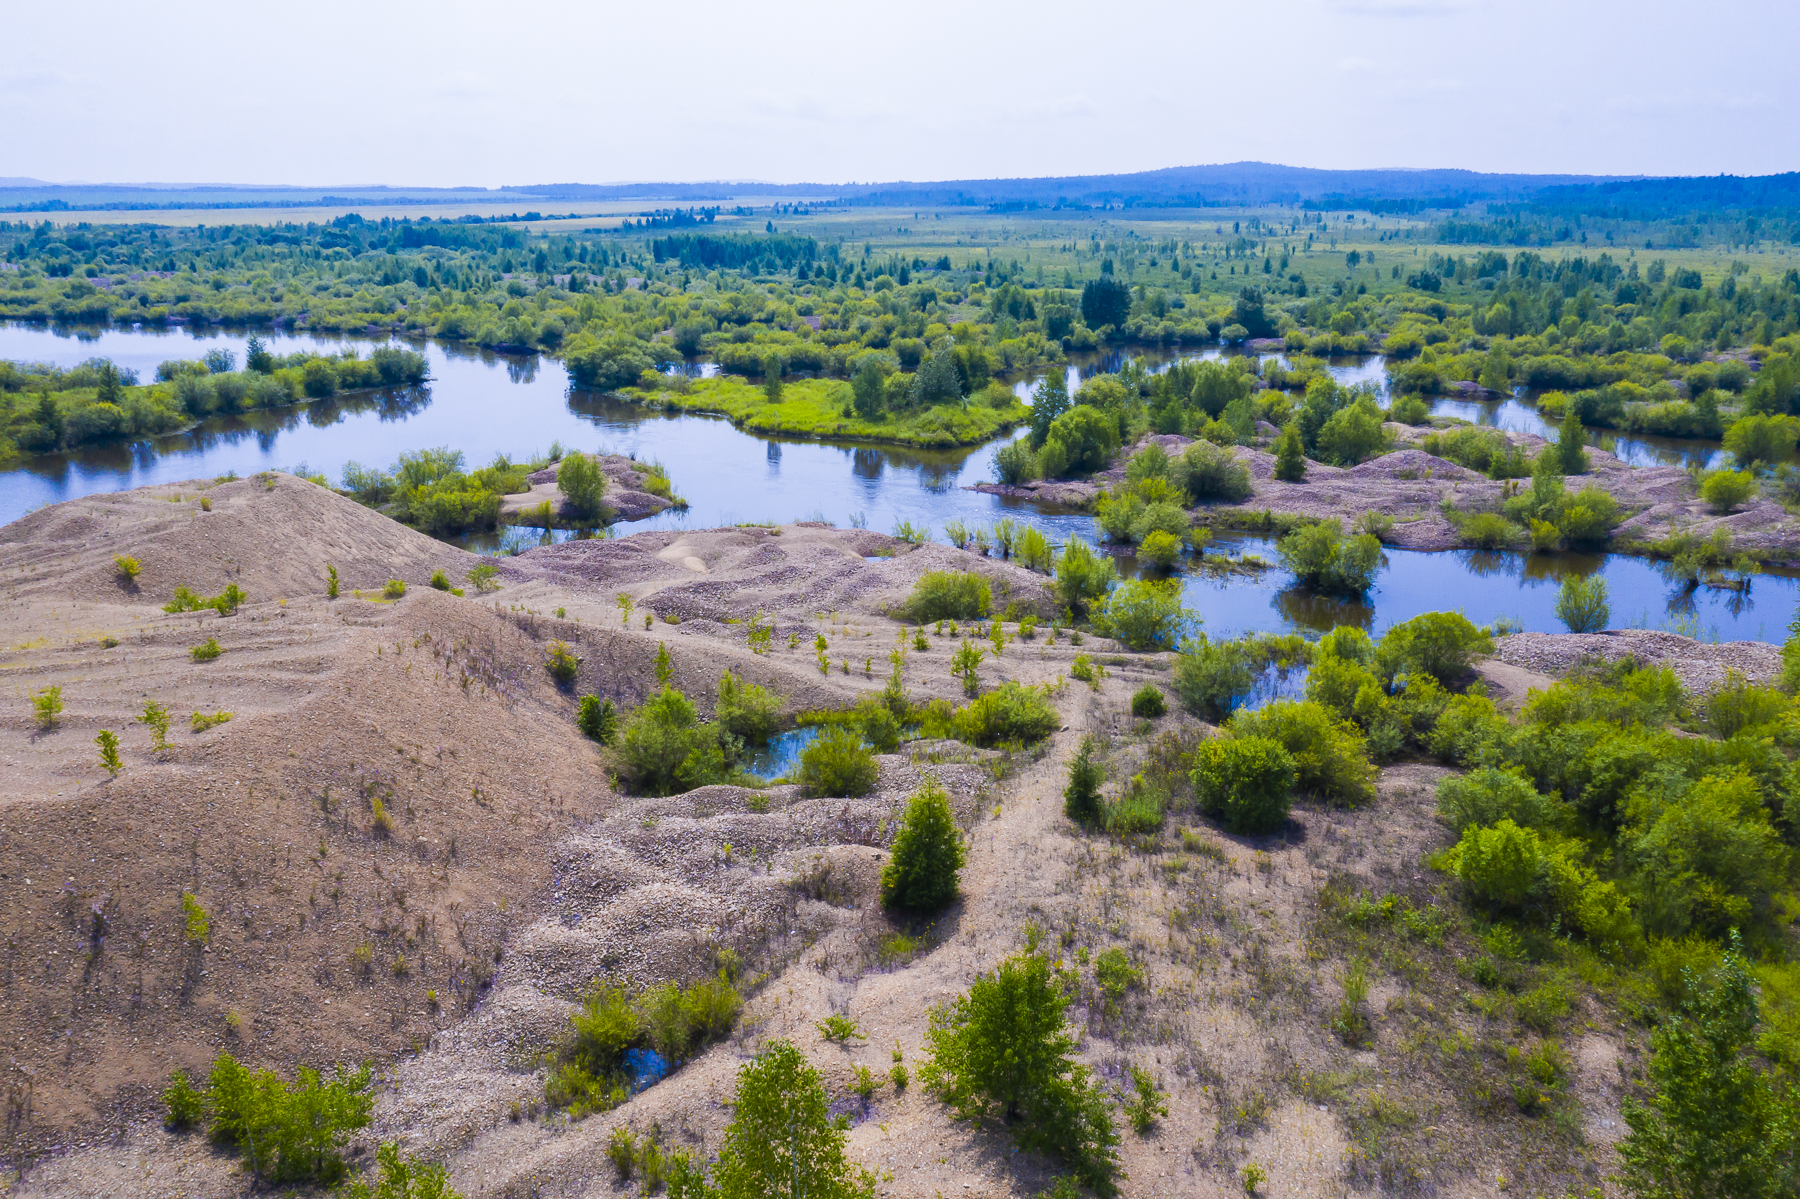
[541,91]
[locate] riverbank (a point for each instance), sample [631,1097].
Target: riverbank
[818,408]
[1428,499]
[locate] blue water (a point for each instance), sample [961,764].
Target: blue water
[780,758]
[485,404]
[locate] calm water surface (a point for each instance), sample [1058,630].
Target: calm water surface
[485,404]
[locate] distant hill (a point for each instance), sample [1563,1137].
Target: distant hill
[1237,184]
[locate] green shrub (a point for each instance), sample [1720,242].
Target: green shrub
[129,568]
[226,603]
[1140,810]
[393,589]
[782,1138]
[398,1177]
[1582,604]
[1329,755]
[1443,645]
[47,706]
[920,875]
[1213,677]
[1034,551]
[1727,489]
[588,1073]
[1409,410]
[1207,472]
[440,581]
[1145,614]
[1083,577]
[1487,795]
[1160,550]
[291,1133]
[1244,782]
[561,662]
[1323,559]
[747,711]
[1004,1051]
[1706,861]
[1011,713]
[597,719]
[1147,702]
[1290,454]
[948,595]
[481,577]
[582,483]
[837,763]
[663,748]
[1485,531]
[1500,866]
[1015,463]
[1081,798]
[183,1102]
[108,741]
[1738,704]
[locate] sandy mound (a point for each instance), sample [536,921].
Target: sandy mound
[1699,666]
[271,534]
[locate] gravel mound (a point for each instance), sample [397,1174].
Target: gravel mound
[1698,665]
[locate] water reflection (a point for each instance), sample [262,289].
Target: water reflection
[1321,613]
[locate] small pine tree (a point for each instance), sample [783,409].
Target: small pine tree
[331,581]
[928,853]
[782,1139]
[1081,800]
[665,669]
[1290,455]
[108,741]
[597,719]
[1571,458]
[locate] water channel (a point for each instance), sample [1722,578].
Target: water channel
[484,404]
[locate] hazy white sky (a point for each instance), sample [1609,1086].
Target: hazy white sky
[538,91]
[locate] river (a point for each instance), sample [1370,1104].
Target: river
[484,404]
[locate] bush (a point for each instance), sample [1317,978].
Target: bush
[663,749]
[1213,677]
[1080,441]
[1081,798]
[837,763]
[1209,472]
[291,1133]
[398,1177]
[1244,782]
[440,581]
[1485,531]
[561,662]
[948,595]
[1083,577]
[590,1072]
[782,1138]
[1500,865]
[1727,489]
[1014,462]
[184,1103]
[128,568]
[1762,440]
[1290,454]
[1442,644]
[597,719]
[1330,756]
[1011,713]
[920,876]
[1487,795]
[1004,1051]
[1147,703]
[1582,604]
[1160,550]
[1323,559]
[207,650]
[1409,410]
[47,705]
[1145,614]
[393,589]
[746,711]
[582,483]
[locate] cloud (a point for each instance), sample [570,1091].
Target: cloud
[1684,102]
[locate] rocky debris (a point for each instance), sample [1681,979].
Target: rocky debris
[625,494]
[1700,666]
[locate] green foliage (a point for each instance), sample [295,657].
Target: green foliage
[1352,434]
[47,706]
[481,577]
[928,852]
[1005,1050]
[1145,1102]
[782,1138]
[1707,859]
[1208,473]
[561,663]
[1014,462]
[1571,456]
[948,595]
[1487,795]
[582,484]
[663,749]
[839,1029]
[1080,441]
[225,603]
[183,1102]
[156,716]
[108,741]
[290,1133]
[1582,604]
[1290,455]
[1727,489]
[747,711]
[200,722]
[588,1073]
[963,663]
[403,1177]
[1082,577]
[837,763]
[1034,551]
[1323,559]
[1160,550]
[1081,798]
[1244,782]
[393,589]
[1330,756]
[1010,714]
[597,719]
[1147,702]
[129,569]
[1443,645]
[440,581]
[1145,614]
[1766,441]
[1714,1123]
